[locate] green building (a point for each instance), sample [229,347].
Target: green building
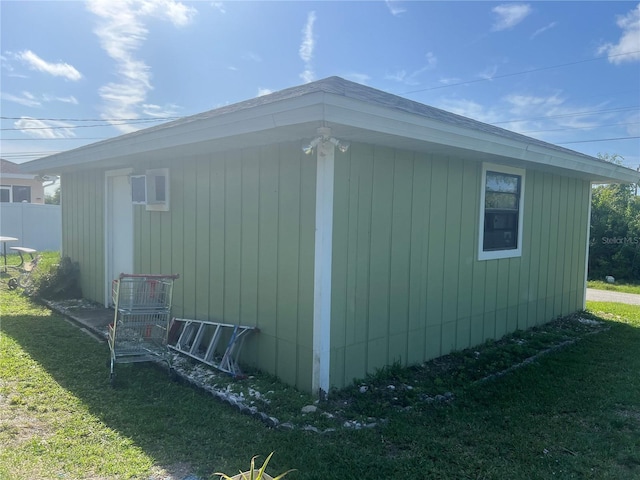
[355,228]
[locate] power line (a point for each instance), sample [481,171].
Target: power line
[580,128]
[524,72]
[57,127]
[50,139]
[599,140]
[143,119]
[564,115]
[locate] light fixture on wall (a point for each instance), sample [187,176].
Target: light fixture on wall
[324,136]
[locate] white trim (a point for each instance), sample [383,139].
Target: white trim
[586,256]
[496,254]
[16,176]
[325,155]
[107,245]
[10,190]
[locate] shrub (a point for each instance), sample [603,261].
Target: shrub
[59,282]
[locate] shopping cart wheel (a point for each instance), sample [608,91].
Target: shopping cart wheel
[13,283]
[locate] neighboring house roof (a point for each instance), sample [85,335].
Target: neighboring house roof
[13,170]
[7,167]
[355,113]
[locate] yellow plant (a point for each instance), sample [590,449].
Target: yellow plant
[252,474]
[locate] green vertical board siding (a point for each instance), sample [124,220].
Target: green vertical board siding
[268,259]
[240,233]
[83,228]
[202,236]
[177,205]
[400,257]
[552,247]
[420,203]
[405,262]
[435,256]
[216,238]
[561,244]
[529,285]
[380,259]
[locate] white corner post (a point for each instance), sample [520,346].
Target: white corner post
[586,257]
[325,154]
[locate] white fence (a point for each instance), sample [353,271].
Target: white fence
[35,226]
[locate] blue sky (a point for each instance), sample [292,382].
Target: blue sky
[76,72]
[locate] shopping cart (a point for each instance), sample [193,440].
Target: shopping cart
[141,320]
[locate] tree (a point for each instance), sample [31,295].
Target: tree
[53,199]
[615,230]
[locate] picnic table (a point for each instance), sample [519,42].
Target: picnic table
[4,241]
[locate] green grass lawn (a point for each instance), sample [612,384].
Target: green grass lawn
[574,413]
[616,287]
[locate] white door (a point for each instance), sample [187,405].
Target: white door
[119,229]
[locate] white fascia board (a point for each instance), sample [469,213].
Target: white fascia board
[189,131]
[16,176]
[376,118]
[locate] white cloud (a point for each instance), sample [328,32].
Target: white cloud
[252,56]
[488,73]
[544,29]
[550,117]
[26,100]
[70,99]
[122,32]
[264,91]
[395,8]
[219,6]
[307,47]
[34,62]
[470,109]
[30,100]
[628,47]
[44,129]
[411,78]
[158,111]
[633,124]
[509,15]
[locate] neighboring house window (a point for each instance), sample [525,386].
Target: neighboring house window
[21,194]
[501,211]
[15,194]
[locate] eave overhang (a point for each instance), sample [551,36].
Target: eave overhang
[351,119]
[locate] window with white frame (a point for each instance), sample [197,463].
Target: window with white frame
[21,194]
[151,189]
[15,194]
[501,209]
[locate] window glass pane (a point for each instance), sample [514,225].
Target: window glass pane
[501,182]
[501,211]
[5,194]
[507,201]
[21,194]
[161,195]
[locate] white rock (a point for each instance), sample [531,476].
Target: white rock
[309,409]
